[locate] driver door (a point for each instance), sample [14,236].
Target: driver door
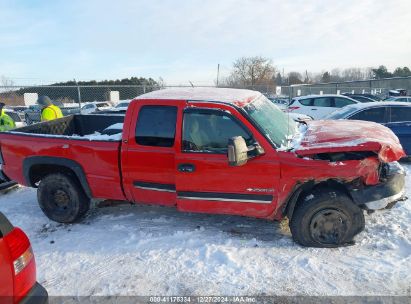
[204,180]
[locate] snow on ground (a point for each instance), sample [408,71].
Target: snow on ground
[144,250]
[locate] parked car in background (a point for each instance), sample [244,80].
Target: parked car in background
[363,97]
[17,267]
[394,115]
[397,92]
[122,105]
[91,107]
[319,106]
[281,102]
[19,110]
[399,98]
[15,116]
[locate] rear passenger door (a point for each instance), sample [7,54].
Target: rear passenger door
[148,156]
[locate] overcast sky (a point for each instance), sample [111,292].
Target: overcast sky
[178,40]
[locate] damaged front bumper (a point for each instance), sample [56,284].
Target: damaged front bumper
[389,190]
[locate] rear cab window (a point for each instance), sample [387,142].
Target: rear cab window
[156,126]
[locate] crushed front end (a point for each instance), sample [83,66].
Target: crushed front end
[386,192]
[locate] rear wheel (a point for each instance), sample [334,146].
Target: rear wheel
[326,218]
[62,199]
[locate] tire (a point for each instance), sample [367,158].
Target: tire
[326,218]
[62,199]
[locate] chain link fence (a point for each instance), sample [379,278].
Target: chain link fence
[78,95]
[26,95]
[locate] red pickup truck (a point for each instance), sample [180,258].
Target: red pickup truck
[18,267]
[210,150]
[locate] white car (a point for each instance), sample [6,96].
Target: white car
[319,106]
[95,106]
[122,105]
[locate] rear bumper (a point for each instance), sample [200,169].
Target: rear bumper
[37,295]
[389,190]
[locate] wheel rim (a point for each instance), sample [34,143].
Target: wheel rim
[329,226]
[61,199]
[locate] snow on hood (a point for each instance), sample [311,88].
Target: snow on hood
[324,136]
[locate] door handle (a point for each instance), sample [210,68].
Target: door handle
[186,168]
[313,109]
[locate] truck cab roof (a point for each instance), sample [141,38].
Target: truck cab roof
[225,95]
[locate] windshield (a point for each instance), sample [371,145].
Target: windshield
[277,126]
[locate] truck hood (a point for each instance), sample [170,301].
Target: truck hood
[327,136]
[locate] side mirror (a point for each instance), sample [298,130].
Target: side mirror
[237,151]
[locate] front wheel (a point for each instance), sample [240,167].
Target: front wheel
[326,218]
[61,198]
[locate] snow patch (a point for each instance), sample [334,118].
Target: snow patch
[146,250]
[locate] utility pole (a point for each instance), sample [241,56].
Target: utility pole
[218,72]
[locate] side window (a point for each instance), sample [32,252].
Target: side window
[342,102]
[400,114]
[373,114]
[322,102]
[210,132]
[156,126]
[305,102]
[402,99]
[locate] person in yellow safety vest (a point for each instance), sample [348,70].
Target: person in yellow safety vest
[6,122]
[49,111]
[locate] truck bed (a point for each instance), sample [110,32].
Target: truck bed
[76,139]
[73,126]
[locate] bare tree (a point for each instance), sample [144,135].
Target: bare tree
[250,71]
[6,83]
[295,78]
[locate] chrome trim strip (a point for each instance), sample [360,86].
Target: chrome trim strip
[155,189]
[223,199]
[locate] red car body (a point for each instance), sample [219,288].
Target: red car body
[113,169]
[17,267]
